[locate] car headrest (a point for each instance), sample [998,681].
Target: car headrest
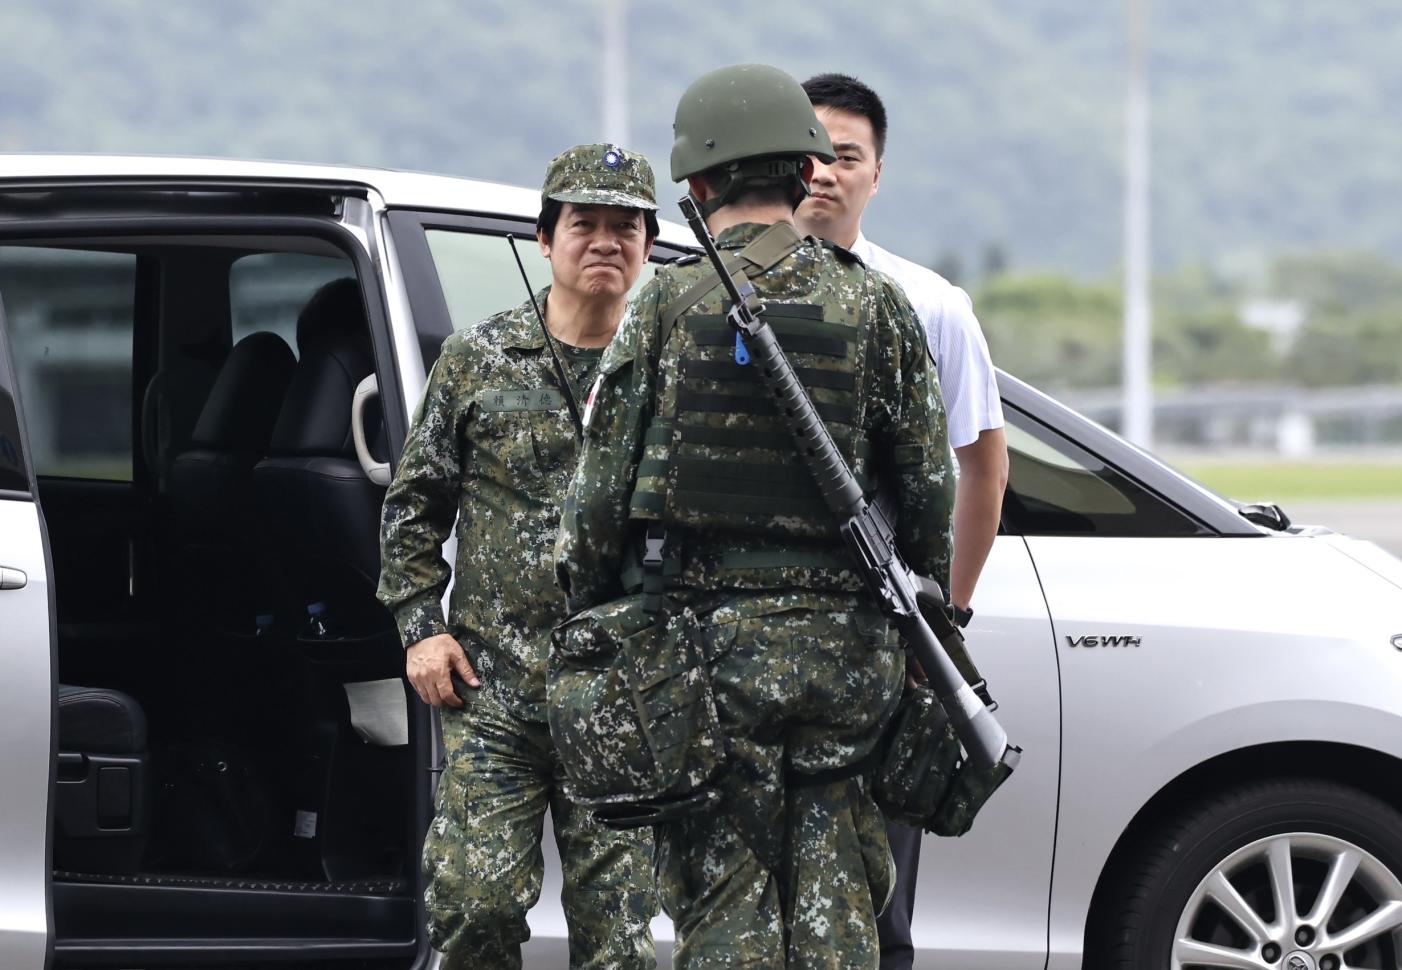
[333,343]
[333,311]
[247,394]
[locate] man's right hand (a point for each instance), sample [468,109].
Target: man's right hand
[430,665]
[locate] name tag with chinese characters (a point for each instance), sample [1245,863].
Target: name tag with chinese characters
[534,399]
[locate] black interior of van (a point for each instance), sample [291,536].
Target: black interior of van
[240,769]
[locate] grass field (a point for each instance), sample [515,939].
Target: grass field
[1282,481]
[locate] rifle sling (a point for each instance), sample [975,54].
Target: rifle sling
[765,251]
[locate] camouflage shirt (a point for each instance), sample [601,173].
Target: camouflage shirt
[492,446]
[903,418]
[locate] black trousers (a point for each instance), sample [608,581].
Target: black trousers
[893,928]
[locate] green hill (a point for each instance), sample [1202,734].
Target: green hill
[1275,125]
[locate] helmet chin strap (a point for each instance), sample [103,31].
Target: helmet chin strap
[749,170]
[710,206]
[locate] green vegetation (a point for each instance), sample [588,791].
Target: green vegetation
[1274,129]
[1060,333]
[1052,331]
[1282,481]
[1274,125]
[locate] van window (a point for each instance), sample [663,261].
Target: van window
[480,277]
[1057,488]
[71,317]
[268,290]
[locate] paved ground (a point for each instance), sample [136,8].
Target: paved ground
[553,954]
[1378,520]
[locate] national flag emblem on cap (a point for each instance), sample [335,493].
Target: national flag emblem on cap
[600,174]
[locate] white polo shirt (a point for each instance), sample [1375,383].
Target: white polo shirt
[967,383]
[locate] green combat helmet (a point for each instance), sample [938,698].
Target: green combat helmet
[600,175]
[753,120]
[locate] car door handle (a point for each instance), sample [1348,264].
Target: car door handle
[12,578]
[377,471]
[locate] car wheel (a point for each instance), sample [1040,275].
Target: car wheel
[1290,874]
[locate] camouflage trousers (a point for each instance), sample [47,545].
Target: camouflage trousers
[482,857]
[792,871]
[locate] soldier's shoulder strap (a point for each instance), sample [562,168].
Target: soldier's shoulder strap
[768,249]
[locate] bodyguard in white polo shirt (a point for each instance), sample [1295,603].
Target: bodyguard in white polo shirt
[856,119]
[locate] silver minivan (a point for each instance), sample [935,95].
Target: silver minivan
[207,370]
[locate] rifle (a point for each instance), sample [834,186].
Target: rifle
[865,529]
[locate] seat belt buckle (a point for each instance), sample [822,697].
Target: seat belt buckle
[654,584]
[652,550]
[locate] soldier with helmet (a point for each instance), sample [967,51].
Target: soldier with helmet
[688,494]
[492,447]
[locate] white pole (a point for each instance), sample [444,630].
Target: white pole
[613,79]
[1138,424]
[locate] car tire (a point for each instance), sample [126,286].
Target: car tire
[1203,891]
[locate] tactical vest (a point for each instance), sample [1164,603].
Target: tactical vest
[717,456]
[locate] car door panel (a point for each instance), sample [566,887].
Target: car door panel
[26,697]
[981,902]
[1217,645]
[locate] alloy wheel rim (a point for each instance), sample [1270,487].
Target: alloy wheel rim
[1295,901]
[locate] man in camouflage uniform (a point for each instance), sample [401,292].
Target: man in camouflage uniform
[793,867]
[492,447]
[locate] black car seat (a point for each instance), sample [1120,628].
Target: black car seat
[320,517]
[215,551]
[319,513]
[102,790]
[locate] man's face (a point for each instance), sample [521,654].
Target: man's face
[842,190]
[597,250]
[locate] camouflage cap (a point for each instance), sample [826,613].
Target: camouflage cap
[600,175]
